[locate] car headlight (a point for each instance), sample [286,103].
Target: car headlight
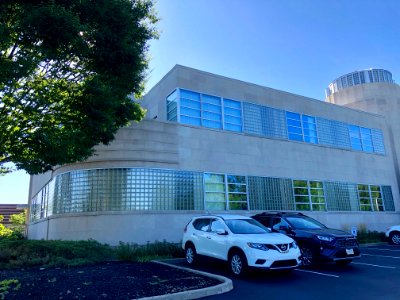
[258,246]
[294,245]
[325,238]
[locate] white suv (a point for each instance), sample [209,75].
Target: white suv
[393,233]
[242,241]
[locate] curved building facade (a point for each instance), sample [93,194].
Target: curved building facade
[216,144]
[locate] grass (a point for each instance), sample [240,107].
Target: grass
[30,253]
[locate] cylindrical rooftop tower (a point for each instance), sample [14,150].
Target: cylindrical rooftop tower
[358,77]
[374,91]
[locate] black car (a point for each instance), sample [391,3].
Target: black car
[316,241]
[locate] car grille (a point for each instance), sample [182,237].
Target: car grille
[284,264]
[346,243]
[279,247]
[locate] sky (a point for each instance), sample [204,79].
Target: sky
[298,46]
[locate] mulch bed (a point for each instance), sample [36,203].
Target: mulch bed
[113,280]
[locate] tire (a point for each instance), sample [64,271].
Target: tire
[237,263]
[394,238]
[344,262]
[190,254]
[307,256]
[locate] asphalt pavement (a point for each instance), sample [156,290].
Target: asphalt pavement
[376,275]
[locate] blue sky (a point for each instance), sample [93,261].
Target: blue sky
[298,46]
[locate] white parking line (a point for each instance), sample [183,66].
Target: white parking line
[323,274]
[364,254]
[382,249]
[378,266]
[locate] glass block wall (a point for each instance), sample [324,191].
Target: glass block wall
[199,109]
[140,189]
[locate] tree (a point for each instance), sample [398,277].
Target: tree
[66,70]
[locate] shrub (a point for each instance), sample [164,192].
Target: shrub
[366,236]
[150,251]
[27,253]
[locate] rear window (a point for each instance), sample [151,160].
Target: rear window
[201,224]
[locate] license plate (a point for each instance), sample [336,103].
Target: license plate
[349,251]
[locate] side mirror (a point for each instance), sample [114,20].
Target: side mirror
[284,228]
[221,232]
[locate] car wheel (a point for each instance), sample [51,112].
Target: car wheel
[344,262]
[395,238]
[190,254]
[237,263]
[307,256]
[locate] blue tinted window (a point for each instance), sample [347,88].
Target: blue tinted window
[212,124]
[211,99]
[232,115]
[311,139]
[232,112]
[190,103]
[295,123]
[211,116]
[296,130]
[232,127]
[293,116]
[190,95]
[308,132]
[232,104]
[212,108]
[190,112]
[191,121]
[232,120]
[295,137]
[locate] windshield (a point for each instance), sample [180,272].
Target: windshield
[304,223]
[246,226]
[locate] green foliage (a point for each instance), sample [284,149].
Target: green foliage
[66,70]
[8,284]
[28,253]
[148,252]
[365,236]
[4,231]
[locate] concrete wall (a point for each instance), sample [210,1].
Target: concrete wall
[143,227]
[379,98]
[155,143]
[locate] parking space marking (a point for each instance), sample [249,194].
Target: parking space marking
[378,266]
[318,273]
[377,255]
[382,249]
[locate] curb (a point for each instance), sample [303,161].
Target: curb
[221,288]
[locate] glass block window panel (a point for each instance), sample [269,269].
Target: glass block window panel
[172,106]
[294,128]
[339,195]
[237,192]
[376,198]
[364,197]
[333,133]
[366,140]
[265,121]
[309,129]
[377,141]
[355,137]
[267,193]
[215,193]
[190,108]
[388,198]
[211,111]
[232,115]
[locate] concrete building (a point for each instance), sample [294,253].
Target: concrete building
[215,144]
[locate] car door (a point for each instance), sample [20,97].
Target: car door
[218,243]
[200,235]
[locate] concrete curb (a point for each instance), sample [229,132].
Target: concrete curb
[221,288]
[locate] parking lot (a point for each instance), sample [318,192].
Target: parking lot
[375,276]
